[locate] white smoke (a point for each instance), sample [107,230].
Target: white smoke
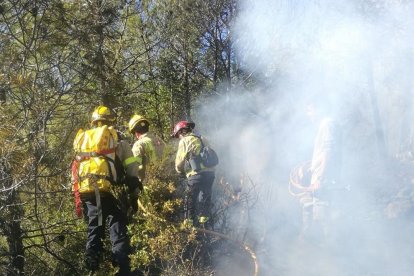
[357,54]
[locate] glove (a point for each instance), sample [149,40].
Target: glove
[133,199]
[132,182]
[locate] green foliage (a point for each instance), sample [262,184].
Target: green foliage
[59,60]
[153,235]
[161,240]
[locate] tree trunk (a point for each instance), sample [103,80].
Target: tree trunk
[216,56]
[3,92]
[379,132]
[187,95]
[405,141]
[14,235]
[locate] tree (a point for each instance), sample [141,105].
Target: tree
[62,58]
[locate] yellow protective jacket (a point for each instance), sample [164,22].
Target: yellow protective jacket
[326,158]
[147,149]
[188,144]
[96,151]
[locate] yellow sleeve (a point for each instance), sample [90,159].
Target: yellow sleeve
[180,157]
[139,152]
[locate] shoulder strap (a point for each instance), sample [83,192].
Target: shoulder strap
[201,140]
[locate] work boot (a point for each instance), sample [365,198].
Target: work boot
[202,220]
[124,265]
[92,262]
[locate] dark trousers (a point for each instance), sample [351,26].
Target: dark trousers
[315,215]
[324,213]
[198,197]
[117,230]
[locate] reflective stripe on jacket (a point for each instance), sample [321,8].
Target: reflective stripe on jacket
[124,152]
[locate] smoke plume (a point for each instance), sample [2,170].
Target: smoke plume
[356,57]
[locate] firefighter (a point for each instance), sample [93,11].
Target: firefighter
[325,172]
[104,158]
[199,178]
[148,148]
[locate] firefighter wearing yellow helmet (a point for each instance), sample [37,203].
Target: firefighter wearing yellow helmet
[104,159]
[102,115]
[147,149]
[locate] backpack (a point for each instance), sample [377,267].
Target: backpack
[95,158]
[96,166]
[208,156]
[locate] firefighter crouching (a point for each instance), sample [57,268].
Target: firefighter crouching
[199,178]
[103,159]
[147,149]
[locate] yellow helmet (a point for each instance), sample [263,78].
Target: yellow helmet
[102,113]
[137,121]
